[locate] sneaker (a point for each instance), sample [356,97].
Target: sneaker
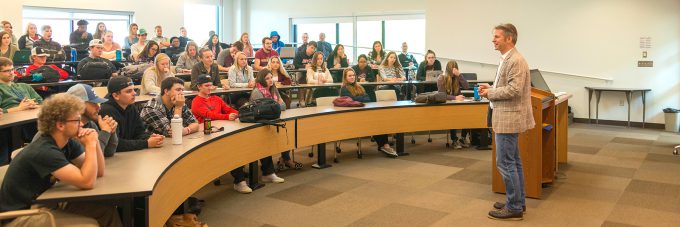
[388,151]
[463,143]
[499,205]
[272,178]
[456,145]
[505,214]
[242,187]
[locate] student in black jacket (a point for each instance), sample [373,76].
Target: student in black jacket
[302,61]
[121,106]
[430,64]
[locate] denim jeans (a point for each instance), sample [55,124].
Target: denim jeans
[509,165]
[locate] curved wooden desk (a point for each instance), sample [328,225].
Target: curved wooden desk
[170,174]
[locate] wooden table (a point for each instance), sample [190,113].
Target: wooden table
[170,174]
[629,93]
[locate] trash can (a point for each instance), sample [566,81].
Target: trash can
[672,119]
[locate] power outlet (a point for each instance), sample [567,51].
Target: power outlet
[620,102]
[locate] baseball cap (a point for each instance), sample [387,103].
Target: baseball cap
[96,42]
[38,51]
[141,31]
[118,83]
[85,92]
[203,79]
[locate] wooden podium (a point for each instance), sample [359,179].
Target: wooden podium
[537,147]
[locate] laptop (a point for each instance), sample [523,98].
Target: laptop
[432,75]
[287,52]
[22,56]
[537,80]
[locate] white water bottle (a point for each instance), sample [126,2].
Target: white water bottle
[176,125]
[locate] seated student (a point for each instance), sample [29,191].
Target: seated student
[100,31]
[302,61]
[155,74]
[188,58]
[280,77]
[162,41]
[247,46]
[104,126]
[47,43]
[80,37]
[391,71]
[183,39]
[429,65]
[39,58]
[158,112]
[66,152]
[213,107]
[337,59]
[214,46]
[173,51]
[317,73]
[303,46]
[406,59]
[240,76]
[226,58]
[364,73]
[451,83]
[7,50]
[276,41]
[26,41]
[7,27]
[121,107]
[15,96]
[131,38]
[266,88]
[110,47]
[206,66]
[139,46]
[351,88]
[377,55]
[263,54]
[96,51]
[323,46]
[149,53]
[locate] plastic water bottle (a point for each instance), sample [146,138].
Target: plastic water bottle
[176,125]
[476,92]
[119,55]
[74,54]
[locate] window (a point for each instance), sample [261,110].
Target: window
[391,30]
[203,19]
[63,22]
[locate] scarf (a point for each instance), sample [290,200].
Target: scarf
[265,92]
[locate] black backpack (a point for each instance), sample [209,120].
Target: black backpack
[43,74]
[259,111]
[95,71]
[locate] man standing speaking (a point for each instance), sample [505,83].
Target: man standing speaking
[510,106]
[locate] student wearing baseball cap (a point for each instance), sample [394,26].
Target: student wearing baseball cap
[138,47]
[121,107]
[96,51]
[39,58]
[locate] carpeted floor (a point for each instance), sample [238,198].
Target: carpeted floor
[615,177]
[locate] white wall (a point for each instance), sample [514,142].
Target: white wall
[590,38]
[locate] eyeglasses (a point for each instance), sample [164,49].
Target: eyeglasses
[74,120]
[7,70]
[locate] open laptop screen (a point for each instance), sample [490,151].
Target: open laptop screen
[537,80]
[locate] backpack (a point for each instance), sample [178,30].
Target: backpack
[431,97]
[259,111]
[95,71]
[135,72]
[43,74]
[184,220]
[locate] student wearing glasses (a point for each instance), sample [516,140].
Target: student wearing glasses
[15,96]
